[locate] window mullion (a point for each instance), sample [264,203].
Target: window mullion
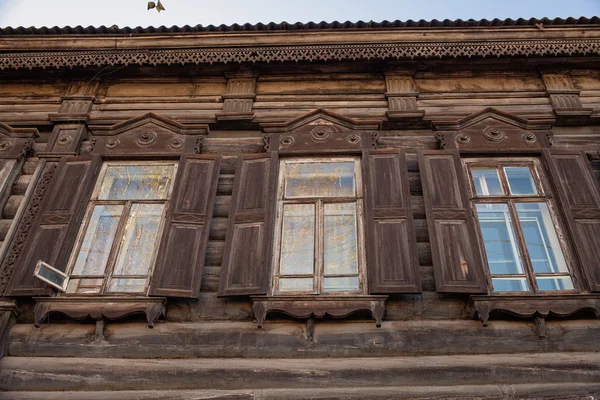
[114,251]
[319,246]
[525,258]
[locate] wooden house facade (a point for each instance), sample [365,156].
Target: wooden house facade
[345,210]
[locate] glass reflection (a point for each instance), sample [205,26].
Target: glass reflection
[139,239]
[510,285]
[98,240]
[499,239]
[347,283]
[297,239]
[340,253]
[296,284]
[487,182]
[324,179]
[549,283]
[541,239]
[128,285]
[520,180]
[136,182]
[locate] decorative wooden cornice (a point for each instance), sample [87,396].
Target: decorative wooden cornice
[148,134]
[334,52]
[492,130]
[320,131]
[16,142]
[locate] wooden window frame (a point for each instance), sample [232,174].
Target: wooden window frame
[543,195]
[318,274]
[117,242]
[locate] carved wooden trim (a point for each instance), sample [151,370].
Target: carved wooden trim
[306,306]
[239,97]
[16,247]
[100,307]
[334,52]
[16,142]
[402,97]
[320,131]
[492,130]
[564,97]
[535,306]
[147,134]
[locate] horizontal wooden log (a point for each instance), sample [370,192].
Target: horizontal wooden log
[222,206]
[61,373]
[30,165]
[463,392]
[21,184]
[11,206]
[4,227]
[225,184]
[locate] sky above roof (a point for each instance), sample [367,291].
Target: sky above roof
[133,13]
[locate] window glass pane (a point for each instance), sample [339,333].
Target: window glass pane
[98,240]
[296,284]
[297,239]
[510,284]
[340,284]
[341,254]
[487,182]
[139,239]
[499,239]
[520,180]
[319,179]
[136,182]
[129,285]
[554,283]
[85,286]
[541,239]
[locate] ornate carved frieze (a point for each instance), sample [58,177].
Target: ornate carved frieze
[16,246]
[100,307]
[493,130]
[564,97]
[319,307]
[402,95]
[384,51]
[239,98]
[148,134]
[320,131]
[16,142]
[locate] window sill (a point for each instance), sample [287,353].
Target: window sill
[535,306]
[305,306]
[100,307]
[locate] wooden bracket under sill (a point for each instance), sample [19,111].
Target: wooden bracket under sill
[318,306]
[100,307]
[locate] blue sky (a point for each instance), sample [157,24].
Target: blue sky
[181,12]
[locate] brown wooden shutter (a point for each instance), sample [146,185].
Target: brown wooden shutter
[456,254]
[248,246]
[391,244]
[178,270]
[579,195]
[55,227]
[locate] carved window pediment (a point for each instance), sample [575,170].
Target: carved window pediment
[15,142]
[493,130]
[148,134]
[320,131]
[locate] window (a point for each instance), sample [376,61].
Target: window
[119,237]
[319,227]
[519,229]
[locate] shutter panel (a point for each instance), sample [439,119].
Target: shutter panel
[55,227]
[579,195]
[248,247]
[391,244]
[178,271]
[455,249]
